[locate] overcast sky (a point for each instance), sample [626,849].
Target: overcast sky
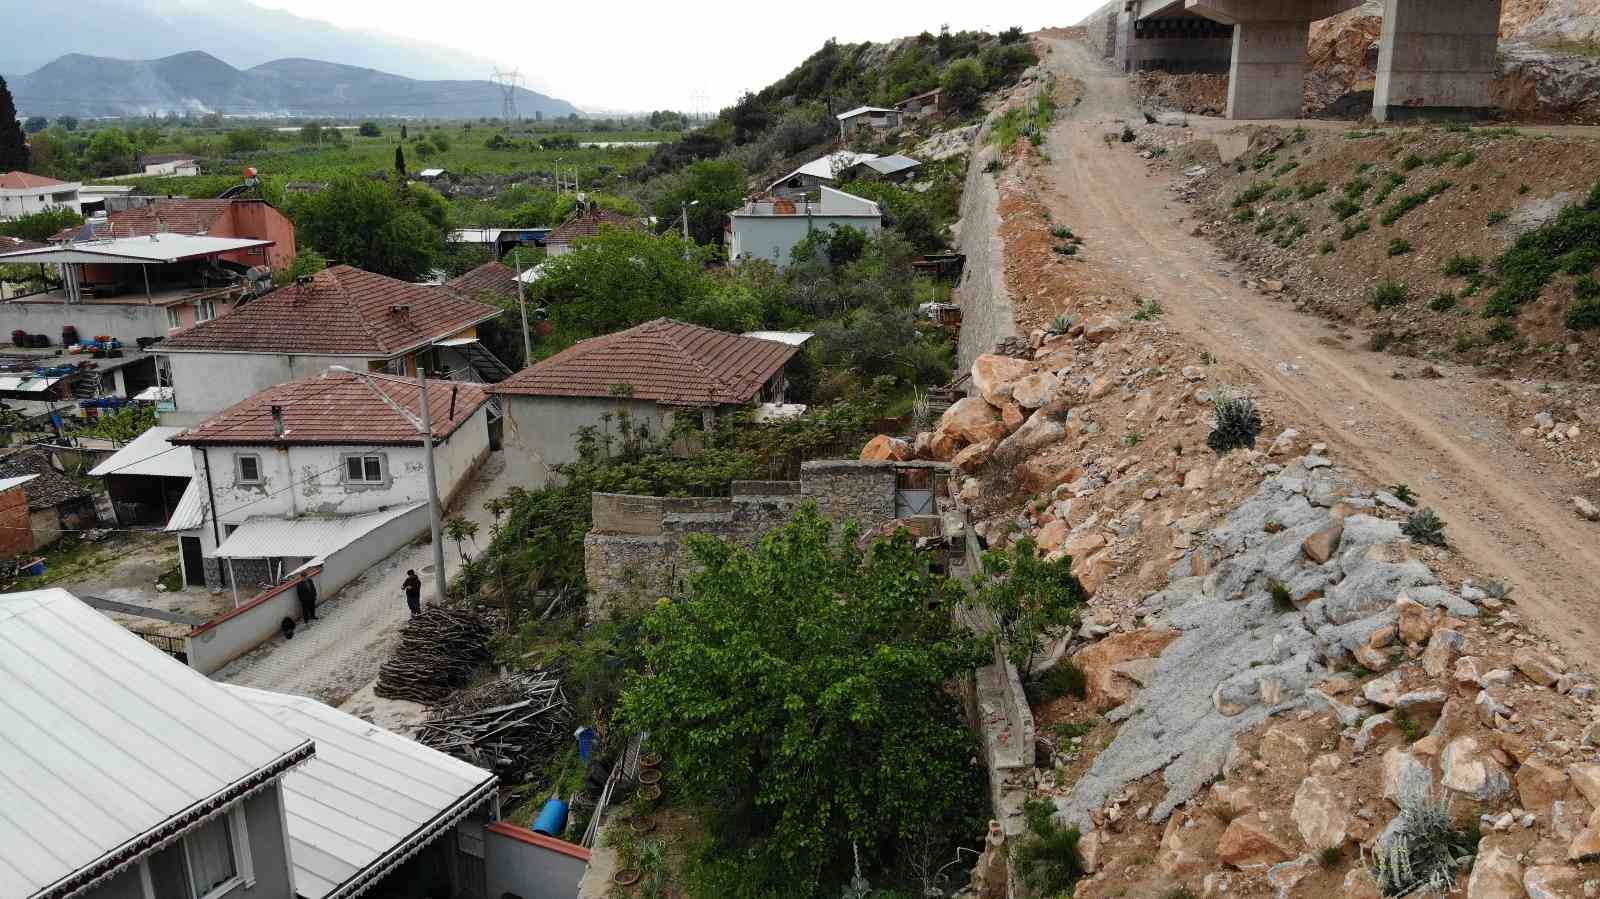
[638,54]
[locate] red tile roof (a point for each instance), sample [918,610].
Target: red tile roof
[493,277]
[588,225]
[343,311]
[339,408]
[178,216]
[670,362]
[26,181]
[10,244]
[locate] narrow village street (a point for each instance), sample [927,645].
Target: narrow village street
[341,652]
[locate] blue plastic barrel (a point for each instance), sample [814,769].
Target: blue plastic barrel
[552,820]
[586,737]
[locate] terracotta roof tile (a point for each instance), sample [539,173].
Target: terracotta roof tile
[339,408]
[342,311]
[26,181]
[16,244]
[51,488]
[493,277]
[588,225]
[670,362]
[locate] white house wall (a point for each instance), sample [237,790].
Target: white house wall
[773,237]
[539,430]
[124,321]
[206,383]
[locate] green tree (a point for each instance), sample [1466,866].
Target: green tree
[307,262]
[246,140]
[41,225]
[374,225]
[400,159]
[963,82]
[311,133]
[13,145]
[369,129]
[402,131]
[49,154]
[1028,599]
[440,140]
[716,185]
[620,278]
[801,688]
[67,123]
[123,425]
[35,124]
[110,152]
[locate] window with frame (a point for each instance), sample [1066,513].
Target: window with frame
[206,310]
[173,321]
[363,469]
[247,468]
[206,863]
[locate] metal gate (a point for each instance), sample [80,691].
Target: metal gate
[913,492]
[172,646]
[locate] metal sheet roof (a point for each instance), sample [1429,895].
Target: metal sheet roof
[824,166]
[862,110]
[112,748]
[889,165]
[367,799]
[149,454]
[308,538]
[792,338]
[26,383]
[8,483]
[166,247]
[190,512]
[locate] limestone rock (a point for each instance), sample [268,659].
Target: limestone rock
[1496,874]
[974,457]
[1285,876]
[1373,729]
[1321,546]
[1040,475]
[1585,509]
[1197,478]
[1468,768]
[943,445]
[1541,668]
[1083,547]
[1013,416]
[884,448]
[922,446]
[1233,799]
[1404,774]
[1106,688]
[1032,391]
[1101,328]
[1177,858]
[1036,433]
[1384,691]
[1052,535]
[1468,671]
[1372,658]
[1586,779]
[1248,841]
[1319,814]
[1360,884]
[1412,621]
[1443,648]
[1540,785]
[1552,882]
[1586,845]
[971,420]
[994,376]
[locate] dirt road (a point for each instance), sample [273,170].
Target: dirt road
[1505,511]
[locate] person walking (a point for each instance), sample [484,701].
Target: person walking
[306,590]
[413,588]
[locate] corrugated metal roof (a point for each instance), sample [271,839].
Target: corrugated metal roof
[862,110]
[111,746]
[154,248]
[889,165]
[367,797]
[792,338]
[824,166]
[190,512]
[265,538]
[27,383]
[8,483]
[149,454]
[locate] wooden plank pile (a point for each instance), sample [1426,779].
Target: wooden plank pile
[440,650]
[505,725]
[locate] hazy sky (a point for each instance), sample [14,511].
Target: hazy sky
[645,55]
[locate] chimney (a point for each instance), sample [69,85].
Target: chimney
[277,420]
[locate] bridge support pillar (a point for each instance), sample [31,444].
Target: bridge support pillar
[1436,59]
[1268,76]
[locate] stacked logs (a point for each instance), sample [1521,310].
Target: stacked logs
[505,725]
[439,652]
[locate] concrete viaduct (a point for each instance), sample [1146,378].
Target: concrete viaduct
[1436,58]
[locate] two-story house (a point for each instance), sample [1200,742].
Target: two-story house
[342,316]
[296,473]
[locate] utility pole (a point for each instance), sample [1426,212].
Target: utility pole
[435,526]
[522,302]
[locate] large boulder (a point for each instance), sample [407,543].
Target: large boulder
[974,457]
[1496,874]
[1540,785]
[1101,328]
[1248,842]
[1107,688]
[1319,814]
[994,376]
[1038,432]
[1586,779]
[884,448]
[971,420]
[1468,767]
[1040,475]
[1553,882]
[1403,775]
[1586,845]
[1033,391]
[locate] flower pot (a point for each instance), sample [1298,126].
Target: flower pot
[649,776]
[627,878]
[650,792]
[641,826]
[649,760]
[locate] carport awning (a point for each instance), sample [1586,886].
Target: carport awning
[150,454]
[190,512]
[303,538]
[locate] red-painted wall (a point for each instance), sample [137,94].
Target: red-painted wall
[16,533]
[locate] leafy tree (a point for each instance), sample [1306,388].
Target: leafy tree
[50,155]
[621,278]
[400,159]
[963,82]
[441,140]
[67,123]
[392,230]
[246,140]
[801,688]
[1028,599]
[424,149]
[718,185]
[402,131]
[110,152]
[307,262]
[35,124]
[41,225]
[13,145]
[369,129]
[311,133]
[125,424]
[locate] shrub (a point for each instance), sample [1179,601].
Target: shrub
[1282,193]
[1464,342]
[1399,247]
[1389,292]
[1065,679]
[1127,134]
[1238,424]
[1391,182]
[1282,599]
[1444,302]
[1344,207]
[1307,191]
[1354,229]
[1402,492]
[1501,332]
[1067,249]
[1254,192]
[1584,316]
[1496,218]
[1326,247]
[1408,726]
[1149,311]
[1357,187]
[1330,856]
[1286,168]
[1461,266]
[1244,216]
[1425,528]
[1061,232]
[1411,161]
[1423,851]
[1465,158]
[1381,339]
[1411,201]
[1047,858]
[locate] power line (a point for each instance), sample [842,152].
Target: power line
[508,82]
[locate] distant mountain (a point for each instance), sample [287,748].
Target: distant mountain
[239,31]
[198,82]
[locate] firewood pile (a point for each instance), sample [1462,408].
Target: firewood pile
[440,650]
[505,725]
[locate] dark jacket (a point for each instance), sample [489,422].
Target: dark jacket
[413,586]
